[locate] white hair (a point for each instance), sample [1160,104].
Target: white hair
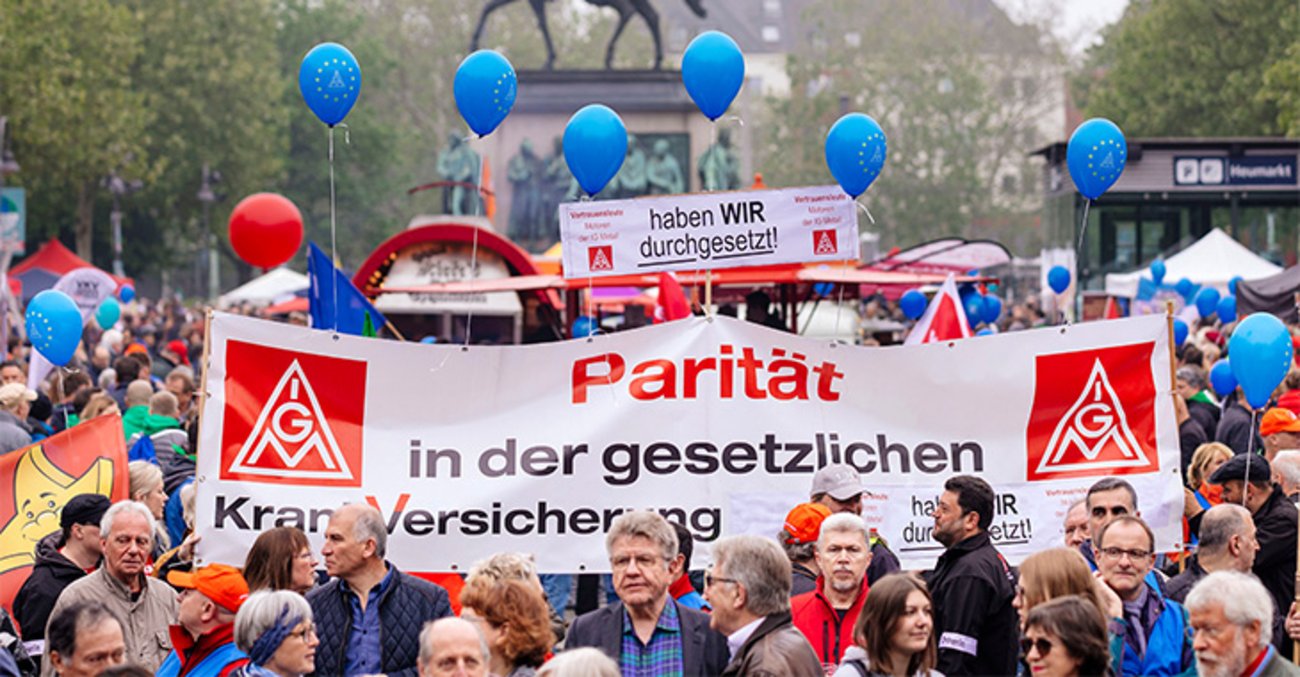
[106,524]
[581,662]
[1243,598]
[1287,465]
[261,611]
[843,522]
[761,567]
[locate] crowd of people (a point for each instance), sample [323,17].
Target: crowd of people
[115,591]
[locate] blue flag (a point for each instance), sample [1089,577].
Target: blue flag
[329,284]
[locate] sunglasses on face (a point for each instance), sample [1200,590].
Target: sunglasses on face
[1043,644]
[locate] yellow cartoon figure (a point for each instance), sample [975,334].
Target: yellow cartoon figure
[40,491]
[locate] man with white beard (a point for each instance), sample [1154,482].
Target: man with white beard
[1231,618]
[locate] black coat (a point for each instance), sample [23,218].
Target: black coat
[1206,414]
[404,608]
[704,650]
[51,574]
[1235,430]
[972,587]
[1275,529]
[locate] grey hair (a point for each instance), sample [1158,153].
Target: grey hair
[843,522]
[107,378]
[262,609]
[646,524]
[761,567]
[581,662]
[1220,524]
[504,566]
[370,526]
[1192,374]
[427,632]
[106,524]
[1287,465]
[1243,598]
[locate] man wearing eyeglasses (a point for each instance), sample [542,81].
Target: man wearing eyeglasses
[647,632]
[1156,641]
[204,639]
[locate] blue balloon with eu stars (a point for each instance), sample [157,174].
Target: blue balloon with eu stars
[856,149]
[330,81]
[1096,156]
[485,90]
[53,324]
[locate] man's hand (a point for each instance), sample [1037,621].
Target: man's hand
[1293,623]
[1114,607]
[1191,506]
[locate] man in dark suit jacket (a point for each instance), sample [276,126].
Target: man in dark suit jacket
[648,632]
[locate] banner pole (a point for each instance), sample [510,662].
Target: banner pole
[1173,380]
[389,323]
[708,292]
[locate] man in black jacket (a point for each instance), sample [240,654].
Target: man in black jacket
[972,586]
[1248,478]
[1235,429]
[393,606]
[646,631]
[61,558]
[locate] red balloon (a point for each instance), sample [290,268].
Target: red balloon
[265,229]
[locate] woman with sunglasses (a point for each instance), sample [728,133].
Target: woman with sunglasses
[894,634]
[1066,637]
[275,629]
[1062,572]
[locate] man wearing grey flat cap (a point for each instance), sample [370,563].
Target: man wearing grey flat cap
[839,487]
[1247,481]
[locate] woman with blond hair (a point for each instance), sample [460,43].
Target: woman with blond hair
[147,488]
[1062,572]
[514,618]
[1207,458]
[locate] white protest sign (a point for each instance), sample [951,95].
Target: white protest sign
[719,424]
[708,231]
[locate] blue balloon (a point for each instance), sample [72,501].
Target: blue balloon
[1227,309]
[986,331]
[855,152]
[108,313]
[1058,278]
[1260,348]
[1207,301]
[595,142]
[1180,332]
[1221,378]
[823,288]
[1096,156]
[485,89]
[330,81]
[127,293]
[429,340]
[713,69]
[1232,284]
[913,304]
[992,308]
[583,327]
[1185,288]
[974,306]
[54,326]
[1158,271]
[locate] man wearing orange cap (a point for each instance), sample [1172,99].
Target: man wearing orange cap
[798,538]
[204,641]
[1280,429]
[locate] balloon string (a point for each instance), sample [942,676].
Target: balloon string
[473,261]
[334,252]
[1250,451]
[839,307]
[736,119]
[1083,228]
[866,211]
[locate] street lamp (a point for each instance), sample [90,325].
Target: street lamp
[206,196]
[119,187]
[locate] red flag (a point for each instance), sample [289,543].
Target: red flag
[944,320]
[1112,309]
[672,303]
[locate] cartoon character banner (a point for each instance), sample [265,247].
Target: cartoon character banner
[36,482]
[717,423]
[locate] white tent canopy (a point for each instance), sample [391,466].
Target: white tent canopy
[266,289]
[1211,261]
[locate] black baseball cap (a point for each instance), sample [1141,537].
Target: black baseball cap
[84,509]
[1235,468]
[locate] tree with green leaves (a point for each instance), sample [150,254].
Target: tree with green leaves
[1198,68]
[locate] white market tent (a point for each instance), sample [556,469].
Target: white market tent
[266,289]
[1211,261]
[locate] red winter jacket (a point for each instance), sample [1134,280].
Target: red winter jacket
[817,620]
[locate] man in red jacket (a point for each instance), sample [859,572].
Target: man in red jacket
[827,614]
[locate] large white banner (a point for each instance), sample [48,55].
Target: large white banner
[717,423]
[704,231]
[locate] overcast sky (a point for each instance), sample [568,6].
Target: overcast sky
[1077,22]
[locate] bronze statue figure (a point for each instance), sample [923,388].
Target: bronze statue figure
[625,8]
